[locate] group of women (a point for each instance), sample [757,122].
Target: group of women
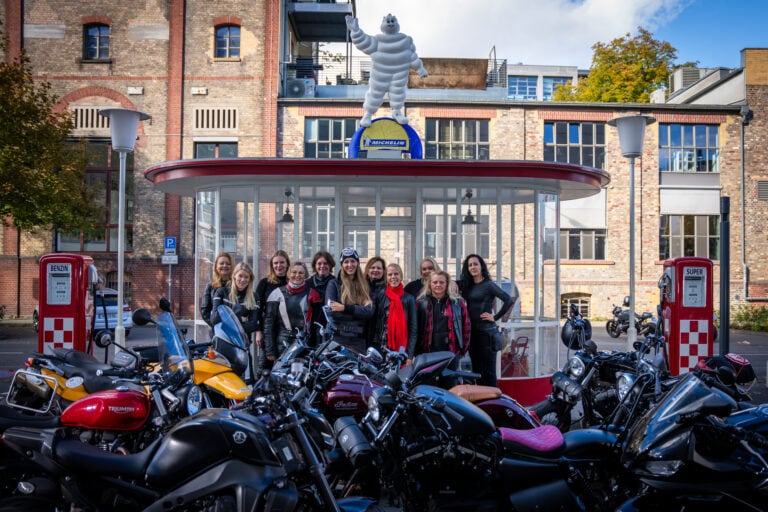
[369,306]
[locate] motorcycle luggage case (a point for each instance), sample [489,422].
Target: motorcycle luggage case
[353,441]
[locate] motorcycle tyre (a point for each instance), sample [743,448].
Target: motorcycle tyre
[551,413]
[612,328]
[27,504]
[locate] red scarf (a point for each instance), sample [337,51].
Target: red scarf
[397,330]
[294,289]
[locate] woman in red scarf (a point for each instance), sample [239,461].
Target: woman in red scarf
[396,323]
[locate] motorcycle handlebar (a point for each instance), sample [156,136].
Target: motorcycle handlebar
[117,372]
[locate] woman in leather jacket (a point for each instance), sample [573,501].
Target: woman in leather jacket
[396,324]
[322,264]
[350,302]
[288,311]
[222,274]
[443,317]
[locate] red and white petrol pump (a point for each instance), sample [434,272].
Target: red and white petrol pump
[66,301]
[687,311]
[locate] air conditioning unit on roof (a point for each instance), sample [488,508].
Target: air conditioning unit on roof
[300,88]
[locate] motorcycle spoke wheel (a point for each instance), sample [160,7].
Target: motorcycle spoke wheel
[612,329]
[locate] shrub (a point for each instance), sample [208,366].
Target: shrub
[750,318]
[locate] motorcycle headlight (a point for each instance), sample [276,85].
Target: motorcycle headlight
[374,411]
[575,367]
[664,468]
[194,400]
[624,382]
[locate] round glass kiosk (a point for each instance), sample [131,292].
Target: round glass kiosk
[401,210]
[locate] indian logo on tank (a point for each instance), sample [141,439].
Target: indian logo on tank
[239,437]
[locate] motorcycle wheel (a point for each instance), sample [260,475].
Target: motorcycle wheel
[551,413]
[612,328]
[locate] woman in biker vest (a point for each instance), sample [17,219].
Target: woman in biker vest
[288,311]
[443,320]
[350,302]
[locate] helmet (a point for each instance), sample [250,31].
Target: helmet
[742,368]
[569,334]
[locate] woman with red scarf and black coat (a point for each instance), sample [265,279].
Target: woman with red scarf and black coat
[396,324]
[289,309]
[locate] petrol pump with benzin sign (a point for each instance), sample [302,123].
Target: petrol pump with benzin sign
[67,283]
[687,311]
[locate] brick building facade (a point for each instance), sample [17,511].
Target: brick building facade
[162,61]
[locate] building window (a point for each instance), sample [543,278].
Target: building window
[111,282]
[522,88]
[96,42]
[215,149]
[581,300]
[328,137]
[457,139]
[227,42]
[689,235]
[103,174]
[689,148]
[575,143]
[551,84]
[582,244]
[435,236]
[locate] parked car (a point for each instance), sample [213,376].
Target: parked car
[104,297]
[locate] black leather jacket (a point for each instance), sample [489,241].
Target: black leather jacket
[286,314]
[382,314]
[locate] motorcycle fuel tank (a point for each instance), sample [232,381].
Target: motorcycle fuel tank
[465,418]
[108,410]
[348,396]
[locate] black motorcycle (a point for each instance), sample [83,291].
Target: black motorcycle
[216,460]
[619,324]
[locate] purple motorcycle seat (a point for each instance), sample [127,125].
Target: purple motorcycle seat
[546,438]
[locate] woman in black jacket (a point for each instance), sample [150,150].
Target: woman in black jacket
[350,302]
[322,264]
[480,293]
[222,274]
[396,323]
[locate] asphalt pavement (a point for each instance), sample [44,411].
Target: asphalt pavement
[18,339]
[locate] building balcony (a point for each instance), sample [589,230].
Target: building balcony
[320,20]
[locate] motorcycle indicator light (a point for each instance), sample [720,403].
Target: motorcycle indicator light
[576,367]
[211,353]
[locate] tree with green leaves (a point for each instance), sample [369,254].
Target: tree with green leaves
[42,173]
[626,70]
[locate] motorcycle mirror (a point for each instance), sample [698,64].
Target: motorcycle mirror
[142,317]
[626,301]
[165,305]
[103,338]
[374,355]
[637,345]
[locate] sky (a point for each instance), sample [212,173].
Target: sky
[562,32]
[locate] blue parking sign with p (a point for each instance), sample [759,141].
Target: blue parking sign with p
[170,244]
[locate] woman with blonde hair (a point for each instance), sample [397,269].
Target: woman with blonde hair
[222,275]
[277,276]
[350,301]
[426,267]
[396,324]
[443,318]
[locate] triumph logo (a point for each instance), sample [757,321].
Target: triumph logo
[239,437]
[120,409]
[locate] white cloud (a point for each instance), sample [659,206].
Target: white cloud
[551,32]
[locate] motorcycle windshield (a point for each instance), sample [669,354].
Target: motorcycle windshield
[689,396]
[230,340]
[172,351]
[296,349]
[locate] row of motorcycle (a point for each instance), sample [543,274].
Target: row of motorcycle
[330,429]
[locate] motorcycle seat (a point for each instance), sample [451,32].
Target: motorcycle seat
[78,456]
[10,417]
[543,439]
[475,393]
[646,315]
[79,363]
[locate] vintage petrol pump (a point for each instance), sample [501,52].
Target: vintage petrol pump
[66,301]
[687,311]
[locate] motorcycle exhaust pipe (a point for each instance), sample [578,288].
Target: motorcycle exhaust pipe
[34,383]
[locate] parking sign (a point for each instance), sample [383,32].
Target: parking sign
[170,245]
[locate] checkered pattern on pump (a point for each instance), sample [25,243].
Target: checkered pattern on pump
[59,331]
[693,342]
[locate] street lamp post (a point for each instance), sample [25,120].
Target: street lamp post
[123,126]
[631,133]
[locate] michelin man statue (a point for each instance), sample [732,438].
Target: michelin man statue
[393,54]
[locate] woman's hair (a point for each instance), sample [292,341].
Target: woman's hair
[466,281]
[435,265]
[450,290]
[216,282]
[271,276]
[371,261]
[302,265]
[354,289]
[326,256]
[250,299]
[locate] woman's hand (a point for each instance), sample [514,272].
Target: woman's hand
[487,316]
[337,307]
[259,338]
[271,358]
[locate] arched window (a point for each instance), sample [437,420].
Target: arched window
[582,300]
[96,41]
[227,42]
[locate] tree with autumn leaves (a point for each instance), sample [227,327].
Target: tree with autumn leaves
[42,172]
[626,70]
